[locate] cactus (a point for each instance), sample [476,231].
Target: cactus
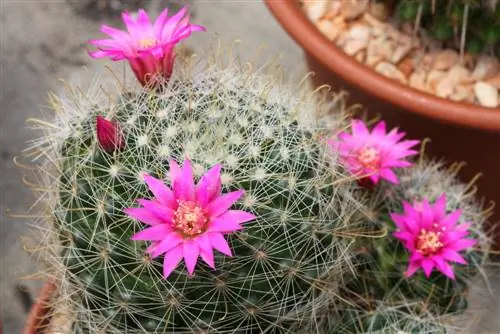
[387,302]
[287,264]
[471,25]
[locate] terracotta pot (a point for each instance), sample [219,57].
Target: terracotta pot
[458,131]
[38,318]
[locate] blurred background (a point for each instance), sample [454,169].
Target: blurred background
[43,41]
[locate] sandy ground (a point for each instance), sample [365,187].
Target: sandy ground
[43,41]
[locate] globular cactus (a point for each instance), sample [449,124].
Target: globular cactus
[388,302]
[473,25]
[287,264]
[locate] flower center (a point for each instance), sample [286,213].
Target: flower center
[428,242]
[369,157]
[189,219]
[147,43]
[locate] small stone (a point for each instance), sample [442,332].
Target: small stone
[334,11]
[401,51]
[433,79]
[315,9]
[417,81]
[390,71]
[353,8]
[379,49]
[331,29]
[445,60]
[486,94]
[485,68]
[406,66]
[355,39]
[379,10]
[494,81]
[373,21]
[463,93]
[360,56]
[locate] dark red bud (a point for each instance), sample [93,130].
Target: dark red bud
[109,135]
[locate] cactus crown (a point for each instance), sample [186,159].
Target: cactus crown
[286,265]
[471,25]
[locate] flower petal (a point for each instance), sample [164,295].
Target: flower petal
[222,203]
[156,232]
[164,213]
[359,128]
[191,252]
[230,221]
[451,219]
[209,186]
[143,215]
[412,269]
[160,190]
[444,267]
[379,130]
[440,208]
[219,243]
[171,260]
[160,22]
[184,185]
[462,244]
[208,257]
[389,175]
[452,255]
[170,241]
[427,266]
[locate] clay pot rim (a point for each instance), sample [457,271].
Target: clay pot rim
[304,32]
[39,310]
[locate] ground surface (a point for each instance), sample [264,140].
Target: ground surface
[42,41]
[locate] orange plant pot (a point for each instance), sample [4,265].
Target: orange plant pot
[39,316]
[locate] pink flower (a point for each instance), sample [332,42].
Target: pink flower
[188,220]
[109,135]
[148,47]
[374,154]
[432,237]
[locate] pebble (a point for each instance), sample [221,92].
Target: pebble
[486,67]
[417,80]
[316,8]
[486,94]
[406,66]
[494,81]
[463,93]
[329,29]
[400,52]
[361,28]
[445,60]
[355,39]
[353,8]
[391,71]
[379,49]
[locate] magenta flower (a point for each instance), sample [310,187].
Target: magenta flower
[148,47]
[109,135]
[188,220]
[374,154]
[432,237]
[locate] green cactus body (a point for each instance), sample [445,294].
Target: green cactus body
[386,301]
[286,264]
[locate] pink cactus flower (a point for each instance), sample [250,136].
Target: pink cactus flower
[432,236]
[373,155]
[148,47]
[187,220]
[109,135]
